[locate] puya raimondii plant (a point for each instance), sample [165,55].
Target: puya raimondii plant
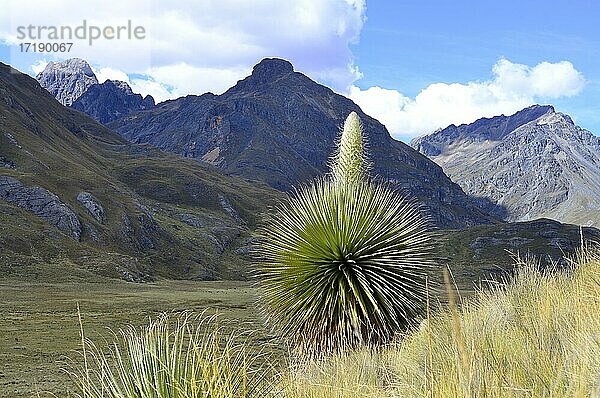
[343,261]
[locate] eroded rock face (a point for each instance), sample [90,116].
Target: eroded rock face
[42,203]
[6,162]
[92,205]
[192,220]
[67,80]
[228,207]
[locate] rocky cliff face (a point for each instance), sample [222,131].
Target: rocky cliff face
[41,203]
[280,127]
[111,100]
[535,163]
[67,80]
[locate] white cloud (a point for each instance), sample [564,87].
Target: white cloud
[39,66]
[158,91]
[189,41]
[106,73]
[513,87]
[185,79]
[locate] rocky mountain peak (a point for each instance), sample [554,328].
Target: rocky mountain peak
[271,68]
[493,129]
[555,118]
[110,100]
[121,85]
[67,80]
[535,163]
[534,111]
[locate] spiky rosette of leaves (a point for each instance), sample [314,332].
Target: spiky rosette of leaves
[343,261]
[344,265]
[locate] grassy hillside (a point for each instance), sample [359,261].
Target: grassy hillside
[488,251]
[163,215]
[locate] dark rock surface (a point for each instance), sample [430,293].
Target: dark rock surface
[280,127]
[228,207]
[6,163]
[111,100]
[42,203]
[192,220]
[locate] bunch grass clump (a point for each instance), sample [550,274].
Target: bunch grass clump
[343,261]
[534,335]
[174,356]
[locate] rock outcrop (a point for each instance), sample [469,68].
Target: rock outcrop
[93,206]
[6,162]
[42,203]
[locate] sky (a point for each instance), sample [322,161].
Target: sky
[415,65]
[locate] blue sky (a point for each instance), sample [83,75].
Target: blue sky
[415,65]
[407,45]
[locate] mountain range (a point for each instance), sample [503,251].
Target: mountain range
[78,197]
[279,126]
[276,126]
[535,163]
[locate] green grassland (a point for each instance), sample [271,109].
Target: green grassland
[39,327]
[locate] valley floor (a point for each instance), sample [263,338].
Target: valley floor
[39,326]
[534,336]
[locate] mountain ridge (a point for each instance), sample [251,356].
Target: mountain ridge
[279,126]
[73,83]
[110,100]
[542,165]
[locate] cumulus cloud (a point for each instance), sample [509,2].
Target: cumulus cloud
[194,47]
[160,92]
[513,87]
[106,73]
[185,78]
